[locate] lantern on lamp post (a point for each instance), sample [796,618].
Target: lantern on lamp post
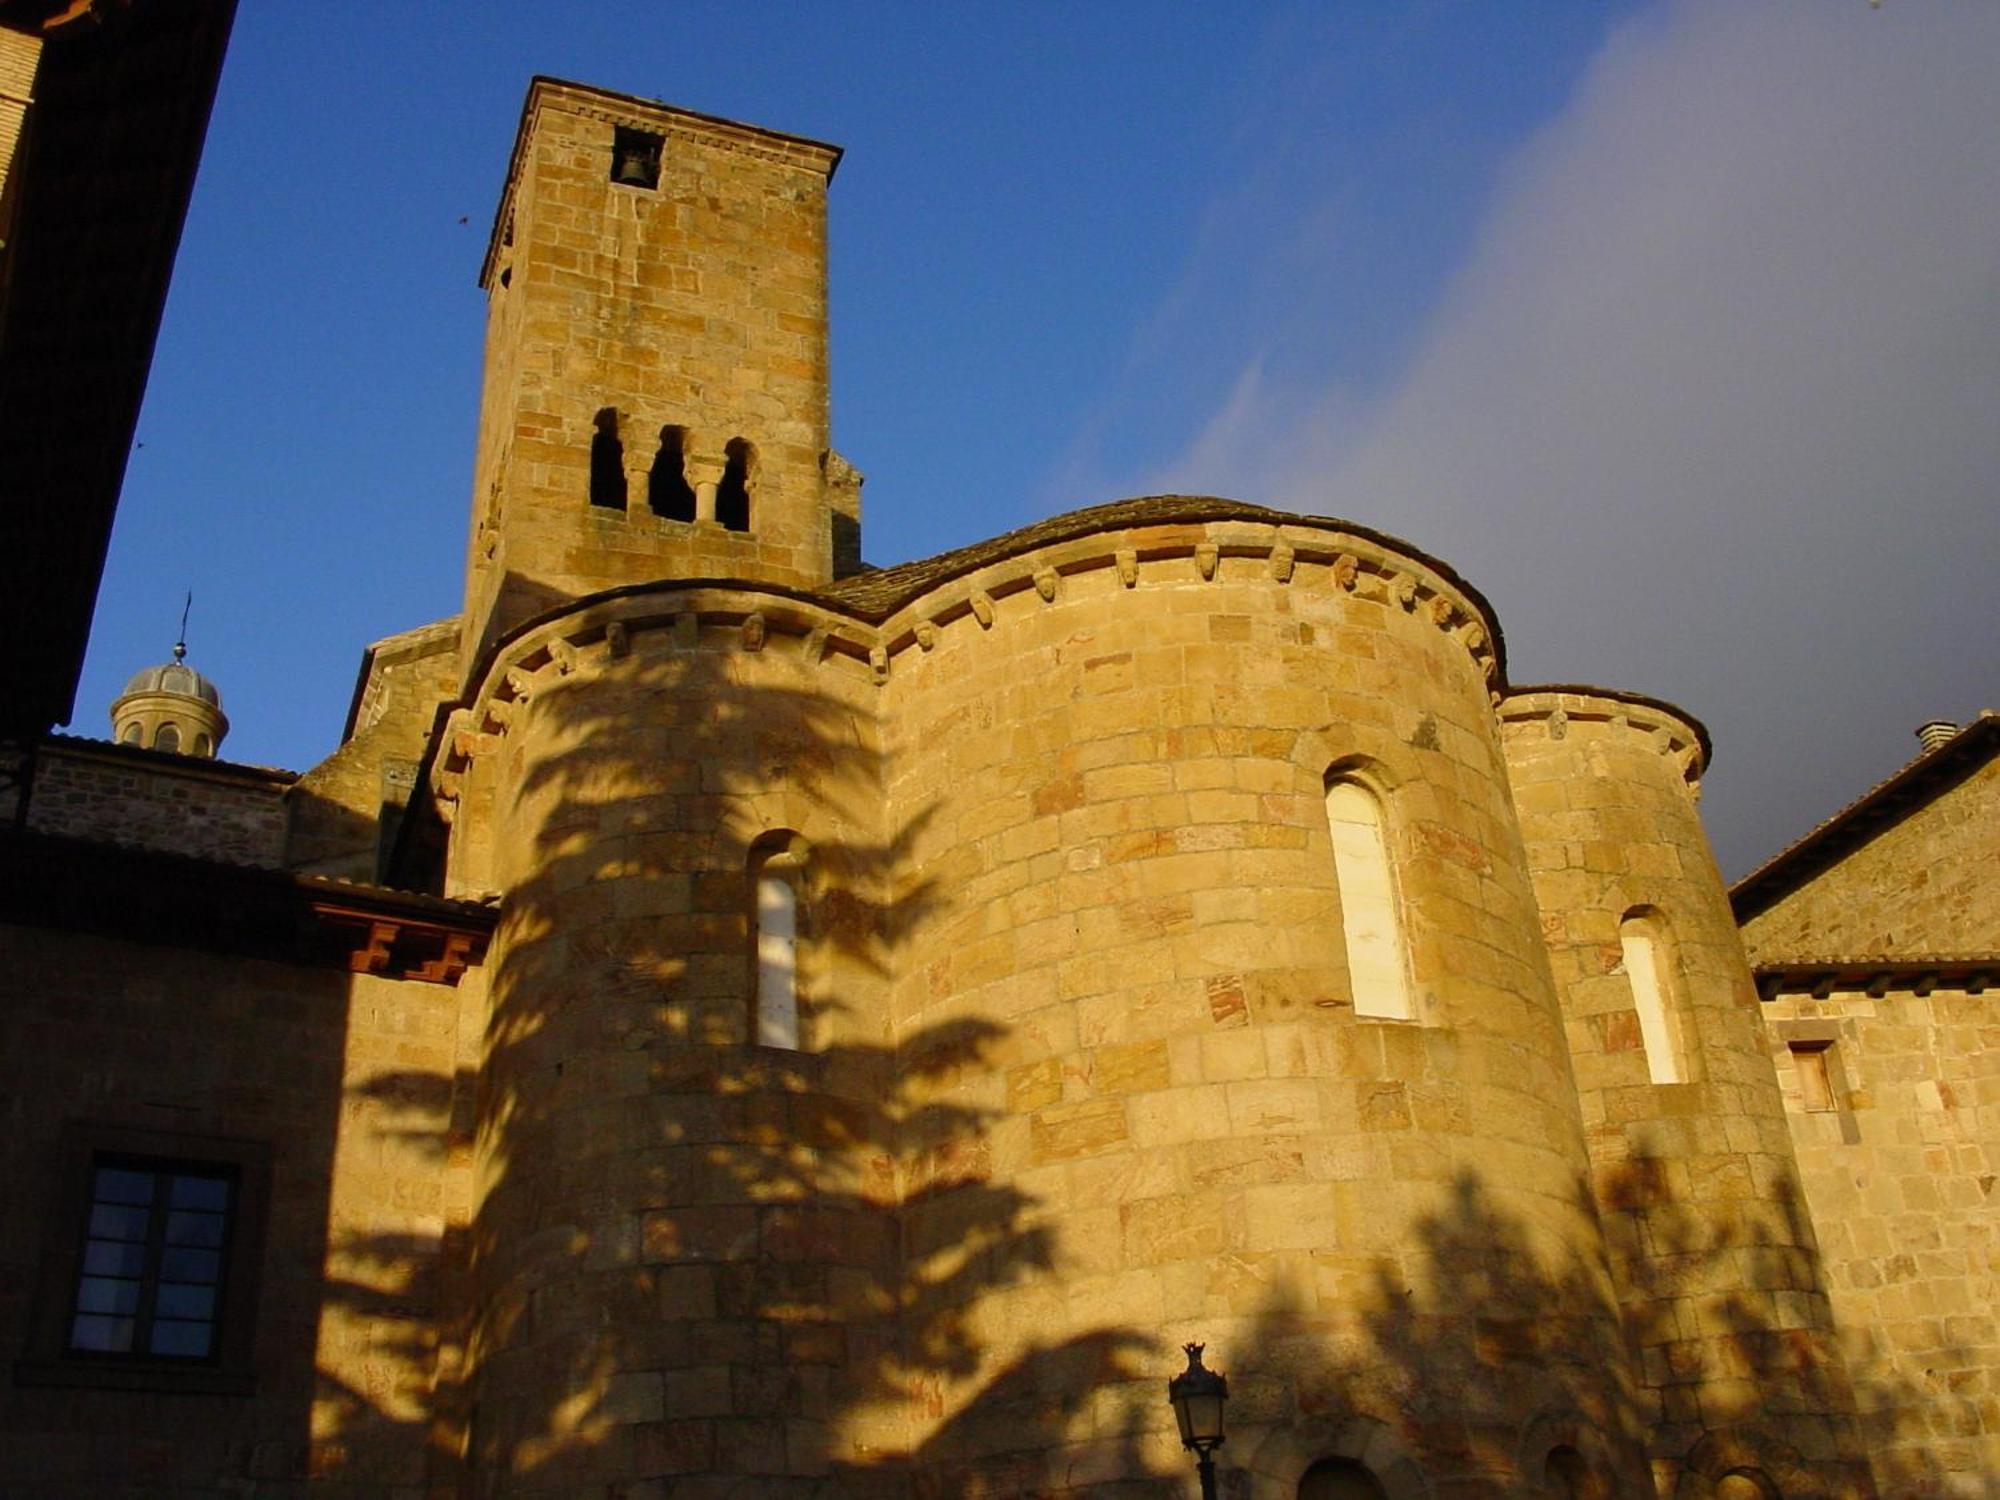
[1197,1394]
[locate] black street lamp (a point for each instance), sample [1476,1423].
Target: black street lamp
[1197,1394]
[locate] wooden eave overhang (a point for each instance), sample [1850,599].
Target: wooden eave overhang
[1878,976]
[175,901]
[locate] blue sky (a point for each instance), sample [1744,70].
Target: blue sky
[1671,325]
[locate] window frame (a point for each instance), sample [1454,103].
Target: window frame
[1814,1059]
[229,1369]
[1648,928]
[1389,948]
[649,146]
[783,857]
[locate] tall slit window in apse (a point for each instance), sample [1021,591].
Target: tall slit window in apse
[777,898]
[1376,963]
[1649,969]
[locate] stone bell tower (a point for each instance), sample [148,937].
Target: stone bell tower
[655,401]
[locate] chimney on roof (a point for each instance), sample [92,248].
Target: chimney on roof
[1935,733]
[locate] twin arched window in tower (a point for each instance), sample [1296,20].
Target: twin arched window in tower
[670,492]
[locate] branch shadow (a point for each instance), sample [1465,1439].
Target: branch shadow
[684,1259]
[682,1254]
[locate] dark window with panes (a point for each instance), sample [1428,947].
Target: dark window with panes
[149,1280]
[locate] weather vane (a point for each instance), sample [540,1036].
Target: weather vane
[181,645]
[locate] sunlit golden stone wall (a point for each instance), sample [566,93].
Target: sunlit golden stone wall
[698,302]
[20,55]
[1084,1068]
[1922,885]
[1717,1266]
[1110,760]
[1899,1155]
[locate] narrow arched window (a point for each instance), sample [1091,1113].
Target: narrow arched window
[607,463]
[167,738]
[668,492]
[202,747]
[1651,970]
[776,870]
[132,735]
[1340,1479]
[732,494]
[1376,965]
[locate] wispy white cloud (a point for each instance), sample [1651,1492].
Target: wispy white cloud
[1712,409]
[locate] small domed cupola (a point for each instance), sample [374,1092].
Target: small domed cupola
[171,707]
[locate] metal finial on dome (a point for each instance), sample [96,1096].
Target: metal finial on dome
[171,707]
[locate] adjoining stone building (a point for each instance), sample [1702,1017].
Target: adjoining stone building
[1876,942]
[729,1021]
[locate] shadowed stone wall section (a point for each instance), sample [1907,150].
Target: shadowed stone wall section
[115,794]
[345,1081]
[345,812]
[685,1246]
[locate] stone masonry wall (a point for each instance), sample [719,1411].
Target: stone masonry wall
[347,1082]
[176,803]
[1081,1072]
[1695,1179]
[344,812]
[1925,884]
[699,303]
[686,1244]
[20,55]
[1109,760]
[1900,1161]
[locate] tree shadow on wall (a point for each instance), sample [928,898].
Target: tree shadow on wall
[1433,1349]
[1456,1364]
[687,1257]
[1729,1387]
[694,1259]
[1434,1346]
